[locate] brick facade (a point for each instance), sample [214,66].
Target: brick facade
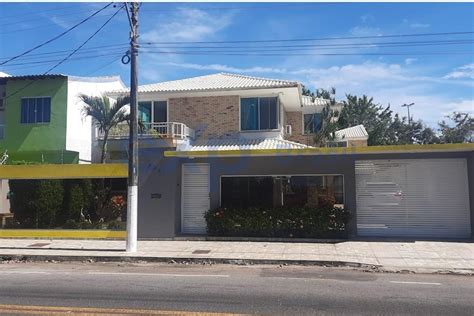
[295,119]
[210,117]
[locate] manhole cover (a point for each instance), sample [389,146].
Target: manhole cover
[39,244]
[201,252]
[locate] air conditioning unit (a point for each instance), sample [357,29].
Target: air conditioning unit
[288,129]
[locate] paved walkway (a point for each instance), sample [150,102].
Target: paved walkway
[418,256]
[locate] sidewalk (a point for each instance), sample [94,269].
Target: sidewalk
[417,256]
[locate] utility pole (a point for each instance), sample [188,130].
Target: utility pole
[408,108]
[132,203]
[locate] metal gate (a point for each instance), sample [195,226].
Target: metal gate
[195,199]
[413,197]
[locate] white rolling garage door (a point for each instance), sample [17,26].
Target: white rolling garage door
[194,197]
[413,197]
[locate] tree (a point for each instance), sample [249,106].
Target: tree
[461,132]
[328,115]
[375,118]
[104,115]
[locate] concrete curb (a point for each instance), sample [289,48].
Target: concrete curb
[183,260]
[243,262]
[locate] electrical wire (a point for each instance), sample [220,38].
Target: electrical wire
[57,36]
[316,39]
[72,53]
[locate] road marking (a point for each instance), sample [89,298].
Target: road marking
[161,274]
[24,272]
[422,283]
[56,310]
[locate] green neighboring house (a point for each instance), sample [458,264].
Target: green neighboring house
[41,119]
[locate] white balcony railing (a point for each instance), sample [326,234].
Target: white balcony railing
[152,130]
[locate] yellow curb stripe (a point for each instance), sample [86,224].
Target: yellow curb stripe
[57,310]
[62,233]
[325,150]
[68,171]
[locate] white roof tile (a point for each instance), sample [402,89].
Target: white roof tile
[214,82]
[308,101]
[354,132]
[243,144]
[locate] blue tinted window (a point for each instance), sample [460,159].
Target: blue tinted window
[46,110]
[312,123]
[249,113]
[35,110]
[258,113]
[24,111]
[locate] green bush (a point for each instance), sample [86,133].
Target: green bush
[325,221]
[36,203]
[73,204]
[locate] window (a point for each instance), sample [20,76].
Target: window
[277,191]
[144,112]
[258,113]
[35,110]
[312,123]
[152,112]
[160,111]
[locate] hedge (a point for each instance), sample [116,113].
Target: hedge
[71,203]
[326,221]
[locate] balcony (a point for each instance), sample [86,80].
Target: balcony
[162,130]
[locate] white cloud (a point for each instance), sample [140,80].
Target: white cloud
[419,25]
[392,84]
[365,31]
[463,72]
[226,68]
[409,61]
[367,18]
[60,22]
[188,25]
[460,106]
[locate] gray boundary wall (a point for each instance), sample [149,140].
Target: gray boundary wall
[159,214]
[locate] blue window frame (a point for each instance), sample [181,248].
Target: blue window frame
[312,123]
[35,110]
[258,113]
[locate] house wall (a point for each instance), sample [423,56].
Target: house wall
[41,137]
[210,117]
[161,217]
[356,143]
[80,132]
[295,119]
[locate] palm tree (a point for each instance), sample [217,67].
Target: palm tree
[105,115]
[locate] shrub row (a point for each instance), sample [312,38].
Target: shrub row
[285,222]
[80,203]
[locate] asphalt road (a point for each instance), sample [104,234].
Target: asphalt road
[269,290]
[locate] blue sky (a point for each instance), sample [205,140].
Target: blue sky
[438,84]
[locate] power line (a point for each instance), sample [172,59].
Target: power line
[230,53]
[73,52]
[42,17]
[57,36]
[61,52]
[51,61]
[351,45]
[316,39]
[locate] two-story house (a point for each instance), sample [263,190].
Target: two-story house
[222,114]
[41,119]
